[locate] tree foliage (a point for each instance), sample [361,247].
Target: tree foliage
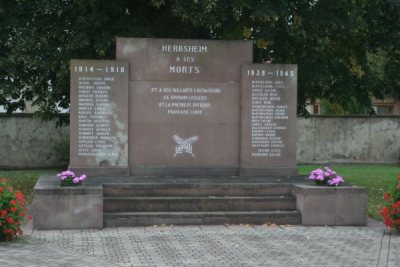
[347,50]
[40,37]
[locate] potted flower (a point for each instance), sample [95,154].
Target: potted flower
[12,211]
[326,177]
[391,209]
[328,202]
[68,178]
[66,198]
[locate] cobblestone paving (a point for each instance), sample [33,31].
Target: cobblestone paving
[26,253]
[394,250]
[208,246]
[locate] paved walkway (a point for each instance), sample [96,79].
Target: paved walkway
[206,246]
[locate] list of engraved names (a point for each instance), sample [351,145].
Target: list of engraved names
[95,110]
[269,113]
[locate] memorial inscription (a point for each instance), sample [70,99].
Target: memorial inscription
[99,91]
[184,101]
[268,119]
[173,101]
[184,60]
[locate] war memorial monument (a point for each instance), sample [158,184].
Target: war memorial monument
[183,107]
[179,131]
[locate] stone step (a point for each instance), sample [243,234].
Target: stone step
[196,189]
[127,219]
[196,204]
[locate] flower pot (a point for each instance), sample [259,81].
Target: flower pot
[66,207]
[331,205]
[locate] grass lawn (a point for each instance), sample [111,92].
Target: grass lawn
[376,178]
[24,180]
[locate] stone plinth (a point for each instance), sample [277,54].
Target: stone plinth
[71,207]
[340,206]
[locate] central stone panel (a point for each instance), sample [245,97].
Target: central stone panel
[184,105]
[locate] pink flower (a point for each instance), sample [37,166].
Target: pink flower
[65,174]
[325,177]
[68,173]
[336,181]
[318,172]
[76,180]
[82,177]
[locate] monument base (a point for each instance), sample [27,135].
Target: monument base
[219,171]
[271,171]
[101,171]
[145,201]
[184,171]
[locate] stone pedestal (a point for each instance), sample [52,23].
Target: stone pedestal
[340,206]
[70,207]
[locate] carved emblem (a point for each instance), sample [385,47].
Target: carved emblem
[184,145]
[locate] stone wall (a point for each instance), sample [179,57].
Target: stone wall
[350,139]
[26,142]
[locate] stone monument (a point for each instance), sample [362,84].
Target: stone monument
[171,107]
[187,132]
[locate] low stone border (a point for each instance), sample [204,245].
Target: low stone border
[81,207]
[56,207]
[323,205]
